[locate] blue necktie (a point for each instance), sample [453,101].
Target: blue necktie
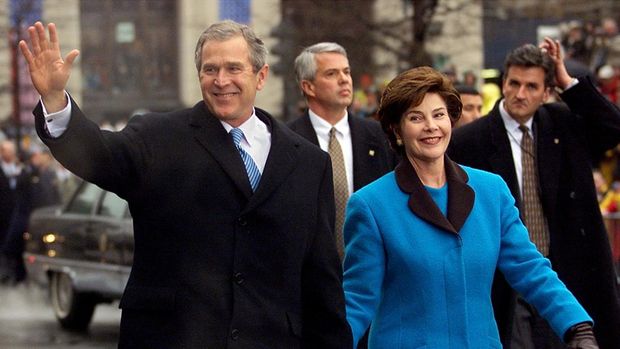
[250,165]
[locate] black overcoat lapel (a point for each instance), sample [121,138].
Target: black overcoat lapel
[500,157]
[282,160]
[210,133]
[460,195]
[549,157]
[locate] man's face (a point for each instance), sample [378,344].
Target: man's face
[524,91]
[7,152]
[472,109]
[332,86]
[227,80]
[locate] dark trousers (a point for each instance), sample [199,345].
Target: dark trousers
[530,331]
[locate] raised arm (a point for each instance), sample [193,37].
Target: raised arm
[552,47]
[48,71]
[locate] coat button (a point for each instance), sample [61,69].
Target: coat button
[572,194]
[239,278]
[234,334]
[582,231]
[242,222]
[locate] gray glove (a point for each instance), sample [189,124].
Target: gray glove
[581,336]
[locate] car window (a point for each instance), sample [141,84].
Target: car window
[113,206]
[84,199]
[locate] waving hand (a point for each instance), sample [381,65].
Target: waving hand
[48,71]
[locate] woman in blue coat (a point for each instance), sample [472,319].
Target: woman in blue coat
[423,241]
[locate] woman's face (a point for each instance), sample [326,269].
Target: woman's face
[425,129]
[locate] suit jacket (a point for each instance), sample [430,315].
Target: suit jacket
[423,272]
[215,265]
[372,155]
[568,137]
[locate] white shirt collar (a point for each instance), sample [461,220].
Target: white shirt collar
[511,124]
[323,127]
[249,127]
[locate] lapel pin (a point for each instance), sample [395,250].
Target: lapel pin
[371,152]
[556,141]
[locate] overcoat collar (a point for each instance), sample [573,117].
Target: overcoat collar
[460,195]
[282,158]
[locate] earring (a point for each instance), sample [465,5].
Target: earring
[399,142]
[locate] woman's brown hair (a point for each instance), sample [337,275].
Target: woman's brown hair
[408,90]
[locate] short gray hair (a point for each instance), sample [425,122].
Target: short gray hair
[305,64]
[227,29]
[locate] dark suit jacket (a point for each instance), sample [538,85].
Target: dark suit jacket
[372,155]
[216,266]
[568,137]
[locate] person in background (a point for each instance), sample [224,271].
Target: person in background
[545,152]
[472,104]
[14,206]
[45,182]
[324,77]
[233,212]
[423,242]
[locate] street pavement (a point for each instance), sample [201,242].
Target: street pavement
[27,322]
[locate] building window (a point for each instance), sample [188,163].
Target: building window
[237,10]
[129,56]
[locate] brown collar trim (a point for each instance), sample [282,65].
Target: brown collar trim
[460,195]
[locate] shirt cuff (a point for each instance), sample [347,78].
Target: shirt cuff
[56,123]
[573,82]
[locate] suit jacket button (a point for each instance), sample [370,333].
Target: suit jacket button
[234,334]
[572,194]
[242,222]
[239,278]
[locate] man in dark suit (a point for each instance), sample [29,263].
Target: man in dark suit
[10,183]
[324,77]
[8,174]
[567,137]
[233,232]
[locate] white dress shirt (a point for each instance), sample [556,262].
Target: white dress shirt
[515,135]
[256,139]
[343,135]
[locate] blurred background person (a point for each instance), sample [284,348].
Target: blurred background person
[45,187]
[472,104]
[15,201]
[423,241]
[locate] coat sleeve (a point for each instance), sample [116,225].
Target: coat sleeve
[112,160]
[324,319]
[530,274]
[598,119]
[364,265]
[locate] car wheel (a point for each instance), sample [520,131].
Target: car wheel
[74,310]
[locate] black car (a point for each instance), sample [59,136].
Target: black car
[83,251]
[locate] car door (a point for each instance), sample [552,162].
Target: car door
[75,225]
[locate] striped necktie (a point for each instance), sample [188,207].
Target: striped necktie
[341,187]
[532,207]
[250,165]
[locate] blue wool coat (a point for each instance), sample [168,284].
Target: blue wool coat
[424,279]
